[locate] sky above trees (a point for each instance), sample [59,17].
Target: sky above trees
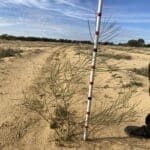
[68,18]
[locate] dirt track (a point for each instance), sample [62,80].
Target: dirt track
[17,74]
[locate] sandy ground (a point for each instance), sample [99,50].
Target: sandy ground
[24,130]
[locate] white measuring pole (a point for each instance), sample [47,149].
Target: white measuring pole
[92,73]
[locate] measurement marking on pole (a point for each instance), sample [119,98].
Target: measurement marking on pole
[93,67]
[88,113]
[95,49]
[97,33]
[91,82]
[86,127]
[99,14]
[89,98]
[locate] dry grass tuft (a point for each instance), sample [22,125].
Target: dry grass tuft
[9,52]
[116,56]
[141,71]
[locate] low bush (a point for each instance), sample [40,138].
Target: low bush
[116,56]
[141,71]
[9,52]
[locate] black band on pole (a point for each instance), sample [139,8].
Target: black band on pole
[95,49]
[91,83]
[89,98]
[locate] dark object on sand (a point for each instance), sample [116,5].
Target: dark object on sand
[143,131]
[134,131]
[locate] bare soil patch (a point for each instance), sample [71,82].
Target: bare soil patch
[23,129]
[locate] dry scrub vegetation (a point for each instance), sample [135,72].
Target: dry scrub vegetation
[54,104]
[54,97]
[141,71]
[59,95]
[9,52]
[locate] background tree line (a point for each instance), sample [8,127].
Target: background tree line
[43,39]
[132,43]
